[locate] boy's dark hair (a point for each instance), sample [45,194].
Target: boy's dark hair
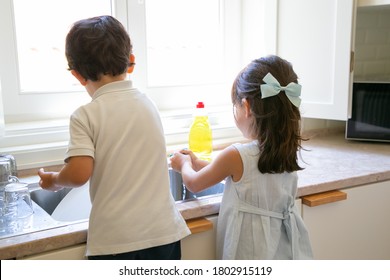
[276,119]
[98,46]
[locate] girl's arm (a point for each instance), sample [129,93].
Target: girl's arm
[227,163]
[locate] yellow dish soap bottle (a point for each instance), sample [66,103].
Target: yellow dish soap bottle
[200,136]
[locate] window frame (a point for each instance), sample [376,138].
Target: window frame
[43,142]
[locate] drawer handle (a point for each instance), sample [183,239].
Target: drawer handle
[199,225]
[323,198]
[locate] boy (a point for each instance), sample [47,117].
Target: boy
[117,143]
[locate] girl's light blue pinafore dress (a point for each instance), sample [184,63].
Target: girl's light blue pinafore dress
[258,218]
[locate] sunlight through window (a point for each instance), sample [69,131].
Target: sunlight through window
[40,38]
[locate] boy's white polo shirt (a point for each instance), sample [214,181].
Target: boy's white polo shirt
[132,207]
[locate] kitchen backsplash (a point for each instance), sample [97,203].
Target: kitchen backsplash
[372,44]
[321,124]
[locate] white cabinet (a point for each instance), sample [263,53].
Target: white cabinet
[197,246]
[316,37]
[76,252]
[355,228]
[202,245]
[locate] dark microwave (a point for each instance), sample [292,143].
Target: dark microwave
[370,118]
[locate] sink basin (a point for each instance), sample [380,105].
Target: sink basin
[61,204]
[47,200]
[65,205]
[180,192]
[218,188]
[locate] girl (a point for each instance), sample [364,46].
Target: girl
[257,218]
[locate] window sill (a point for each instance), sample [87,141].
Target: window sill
[42,144]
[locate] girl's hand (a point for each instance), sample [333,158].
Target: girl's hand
[197,163]
[193,157]
[179,159]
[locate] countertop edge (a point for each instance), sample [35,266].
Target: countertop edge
[76,233]
[344,183]
[64,236]
[43,241]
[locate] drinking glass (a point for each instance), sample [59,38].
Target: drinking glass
[18,208]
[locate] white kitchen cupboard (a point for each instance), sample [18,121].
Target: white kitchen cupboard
[355,228]
[316,37]
[76,252]
[201,246]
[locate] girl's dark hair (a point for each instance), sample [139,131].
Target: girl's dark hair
[98,45]
[276,120]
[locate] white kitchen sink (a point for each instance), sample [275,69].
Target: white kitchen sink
[64,205]
[74,204]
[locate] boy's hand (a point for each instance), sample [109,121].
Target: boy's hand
[48,180]
[75,173]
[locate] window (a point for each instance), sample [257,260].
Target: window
[195,39]
[191,50]
[35,81]
[186,51]
[41,61]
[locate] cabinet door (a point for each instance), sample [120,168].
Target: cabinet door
[355,228]
[315,36]
[201,246]
[76,252]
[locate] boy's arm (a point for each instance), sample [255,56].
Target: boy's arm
[75,173]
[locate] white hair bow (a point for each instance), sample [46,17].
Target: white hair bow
[272,88]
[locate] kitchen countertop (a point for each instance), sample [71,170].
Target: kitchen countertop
[331,162]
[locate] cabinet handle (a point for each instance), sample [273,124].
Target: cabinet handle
[199,225]
[352,62]
[323,198]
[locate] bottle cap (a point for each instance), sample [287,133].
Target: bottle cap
[200,105]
